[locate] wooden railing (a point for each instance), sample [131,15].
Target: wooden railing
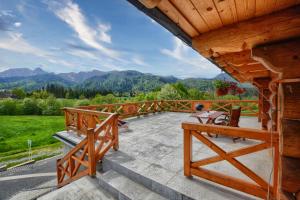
[249,107]
[100,132]
[260,187]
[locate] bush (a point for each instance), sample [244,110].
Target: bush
[82,102]
[168,92]
[18,93]
[30,107]
[52,106]
[8,107]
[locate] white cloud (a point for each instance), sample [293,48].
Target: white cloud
[17,24]
[103,35]
[16,43]
[138,60]
[82,54]
[71,14]
[184,54]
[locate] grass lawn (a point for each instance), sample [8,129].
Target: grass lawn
[16,130]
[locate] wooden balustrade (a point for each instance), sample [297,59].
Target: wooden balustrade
[101,133]
[260,187]
[249,107]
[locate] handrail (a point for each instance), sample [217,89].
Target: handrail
[260,187]
[249,107]
[91,149]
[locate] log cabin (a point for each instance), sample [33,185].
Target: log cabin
[255,41]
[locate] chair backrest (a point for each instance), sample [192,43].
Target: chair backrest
[235,117]
[225,107]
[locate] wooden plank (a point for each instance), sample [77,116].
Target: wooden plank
[264,7]
[245,35]
[150,3]
[188,10]
[290,179]
[232,131]
[245,9]
[167,8]
[209,13]
[291,137]
[237,164]
[227,11]
[230,181]
[291,100]
[235,153]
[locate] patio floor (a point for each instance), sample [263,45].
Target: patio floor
[153,147]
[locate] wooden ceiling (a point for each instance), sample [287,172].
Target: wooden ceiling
[225,31]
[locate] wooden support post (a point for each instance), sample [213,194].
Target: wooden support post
[188,152]
[283,59]
[91,152]
[115,133]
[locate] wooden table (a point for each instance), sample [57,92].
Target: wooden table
[210,115]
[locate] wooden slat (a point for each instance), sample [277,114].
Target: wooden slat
[237,164]
[227,11]
[245,9]
[236,153]
[233,131]
[188,10]
[245,35]
[230,181]
[177,17]
[209,13]
[264,7]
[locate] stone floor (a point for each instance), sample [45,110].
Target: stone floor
[157,141]
[155,145]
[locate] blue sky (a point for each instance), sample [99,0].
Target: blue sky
[66,35]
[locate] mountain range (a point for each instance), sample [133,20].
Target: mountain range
[115,81]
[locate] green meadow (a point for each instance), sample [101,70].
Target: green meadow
[15,131]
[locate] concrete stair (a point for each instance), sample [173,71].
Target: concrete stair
[123,188]
[120,168]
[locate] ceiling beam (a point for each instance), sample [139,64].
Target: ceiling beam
[281,57]
[241,36]
[236,58]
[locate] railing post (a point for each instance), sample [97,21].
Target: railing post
[91,150]
[115,133]
[66,119]
[187,152]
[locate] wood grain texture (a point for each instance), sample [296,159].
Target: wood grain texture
[245,35]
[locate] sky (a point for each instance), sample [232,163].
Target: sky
[72,36]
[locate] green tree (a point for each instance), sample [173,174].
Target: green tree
[195,94]
[8,107]
[181,89]
[30,107]
[19,93]
[52,106]
[168,92]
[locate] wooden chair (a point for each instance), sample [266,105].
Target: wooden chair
[123,125]
[231,120]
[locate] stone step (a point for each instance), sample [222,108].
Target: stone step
[83,188]
[167,184]
[123,188]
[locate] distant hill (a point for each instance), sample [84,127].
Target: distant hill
[35,82]
[21,72]
[124,81]
[112,81]
[80,76]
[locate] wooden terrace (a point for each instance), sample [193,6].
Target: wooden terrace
[164,141]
